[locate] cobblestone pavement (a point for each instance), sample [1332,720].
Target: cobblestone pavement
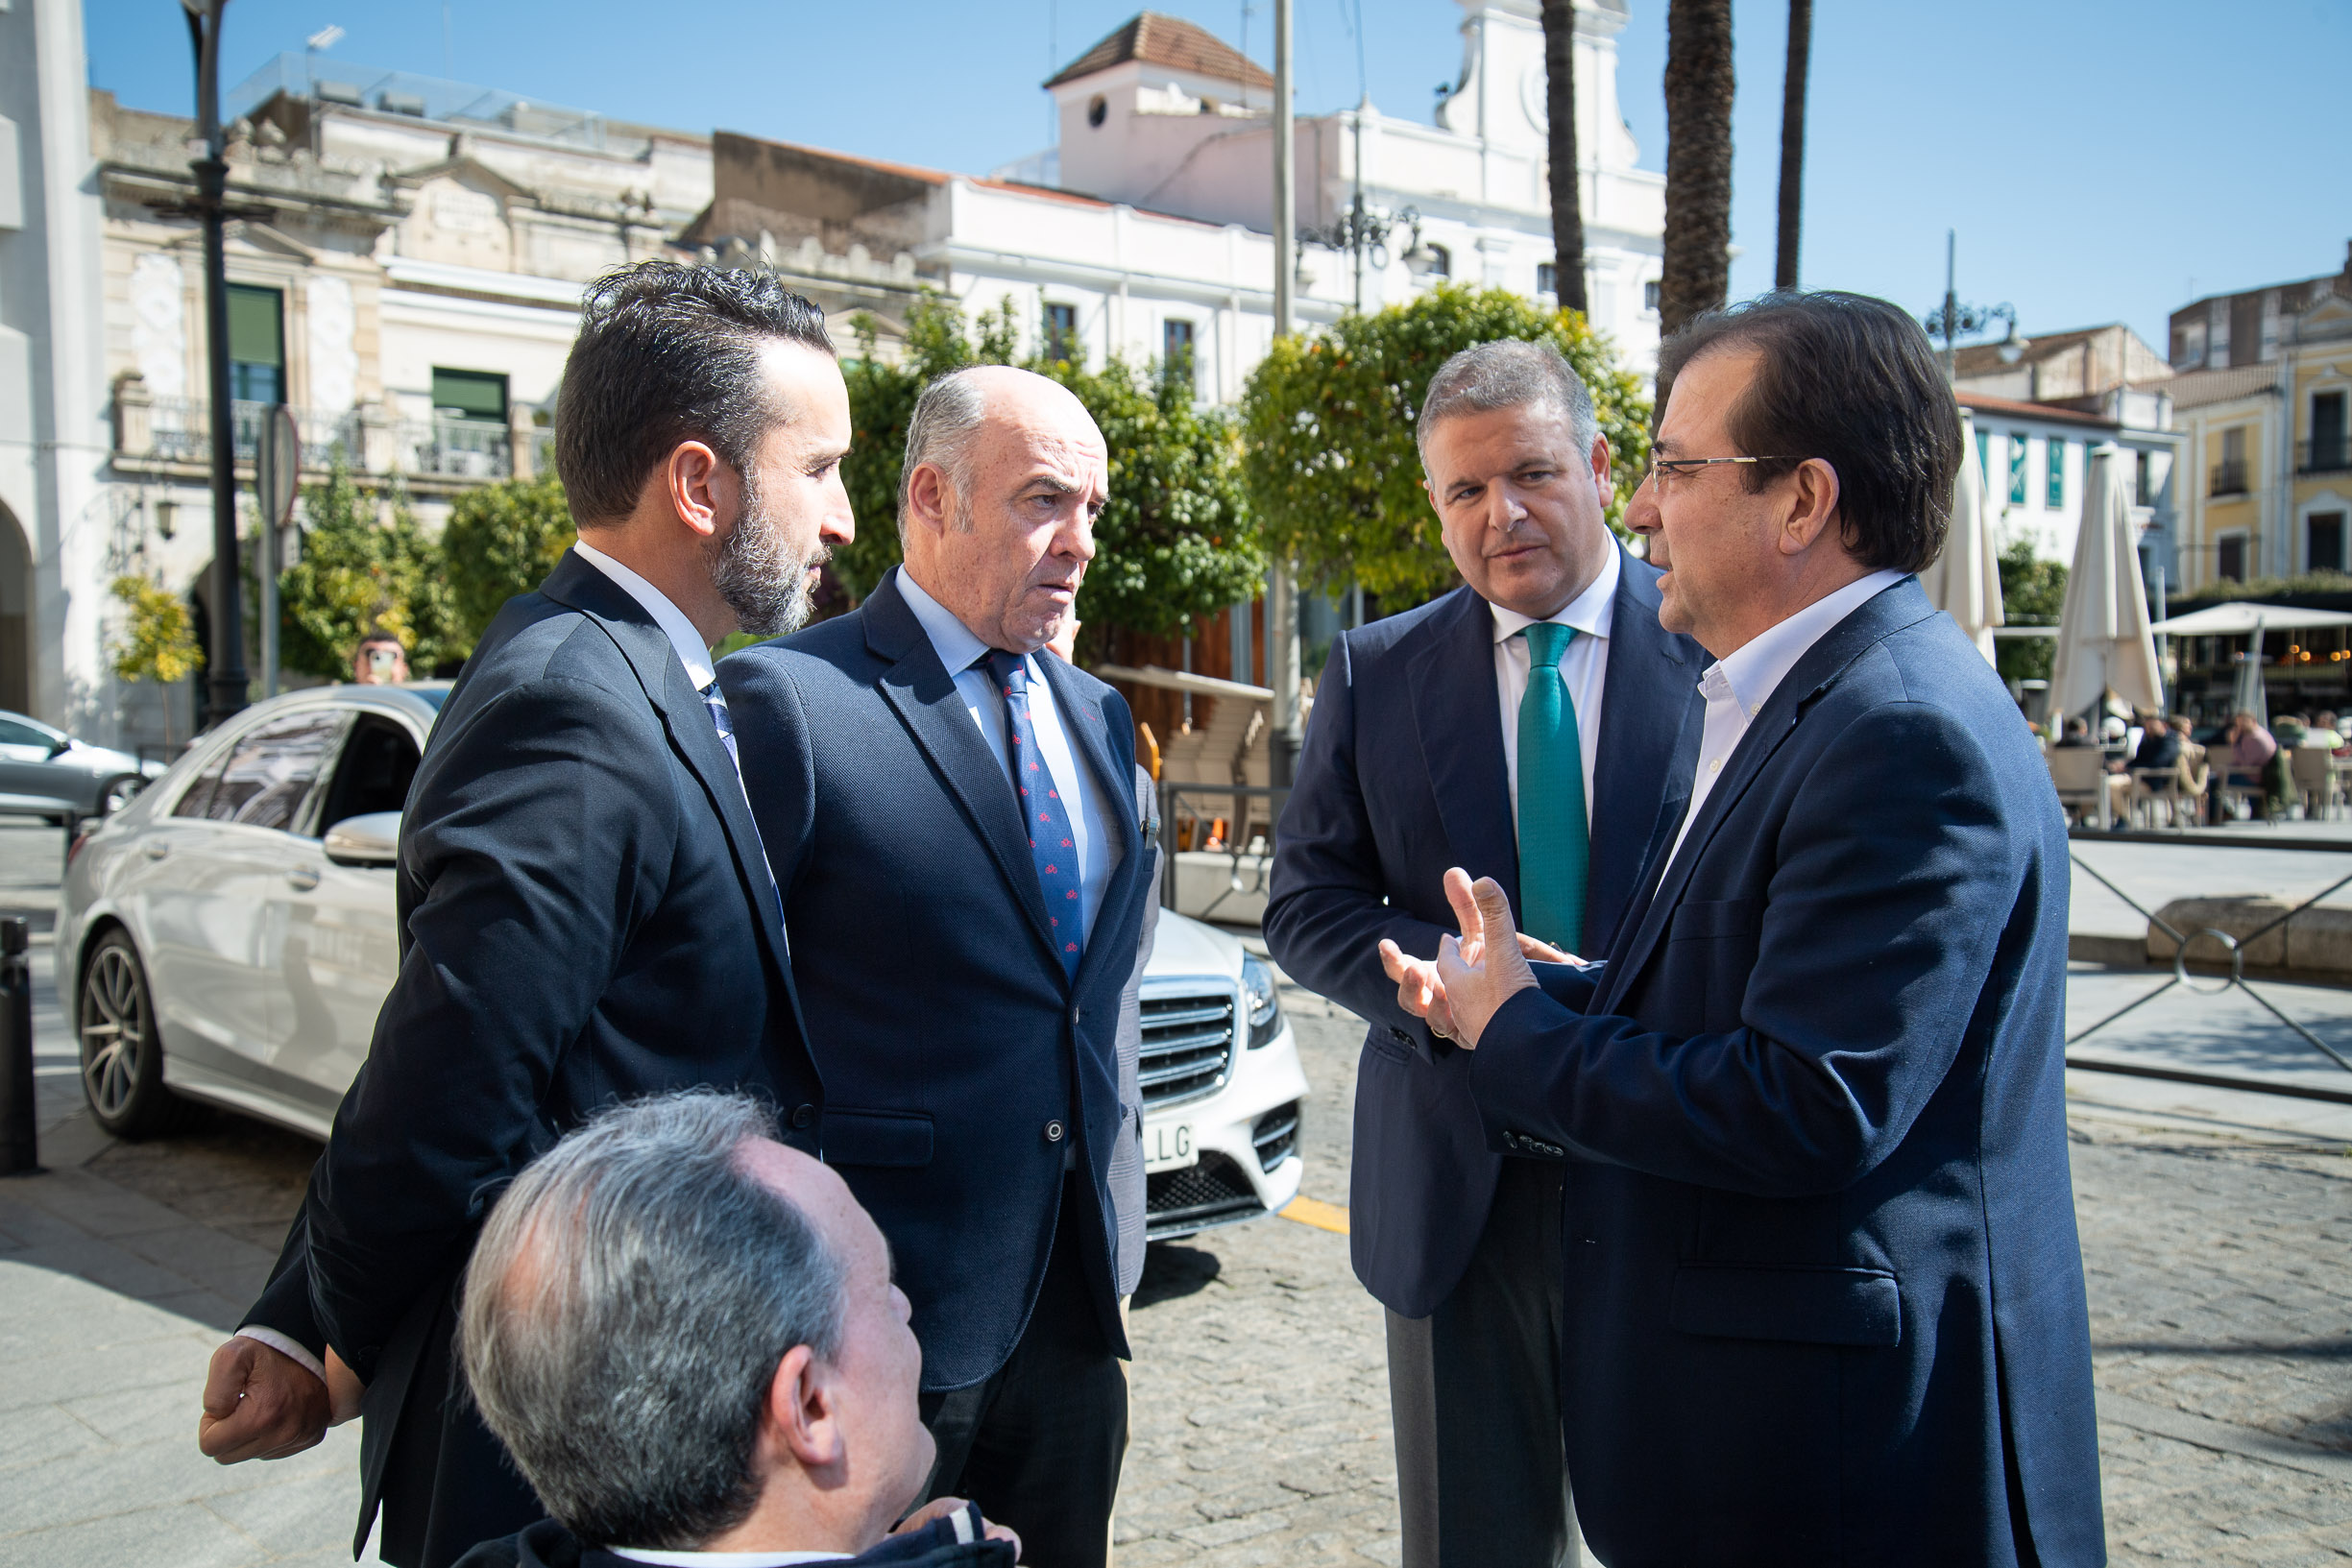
[2220,1278]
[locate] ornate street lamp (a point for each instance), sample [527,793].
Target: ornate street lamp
[1364,233]
[1952,320]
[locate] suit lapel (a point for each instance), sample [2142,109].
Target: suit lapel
[1647,744]
[919,688]
[1871,623]
[1459,717]
[688,722]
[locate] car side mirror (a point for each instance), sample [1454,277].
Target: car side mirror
[61,746]
[371,839]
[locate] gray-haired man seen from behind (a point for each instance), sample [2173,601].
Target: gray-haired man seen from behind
[686,1335]
[1528,724]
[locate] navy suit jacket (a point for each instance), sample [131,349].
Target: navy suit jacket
[585,917]
[1402,777]
[959,1055]
[1824,1296]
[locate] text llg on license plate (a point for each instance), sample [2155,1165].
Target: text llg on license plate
[1168,1145]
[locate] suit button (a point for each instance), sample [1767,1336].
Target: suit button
[1054,1132]
[804,1116]
[1400,1037]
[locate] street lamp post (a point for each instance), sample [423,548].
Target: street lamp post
[227,654]
[1281,593]
[1952,320]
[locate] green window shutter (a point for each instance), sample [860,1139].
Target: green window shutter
[2017,469]
[2055,481]
[472,394]
[256,326]
[1984,456]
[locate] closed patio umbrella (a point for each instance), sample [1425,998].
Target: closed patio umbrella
[2253,696]
[2104,644]
[1964,582]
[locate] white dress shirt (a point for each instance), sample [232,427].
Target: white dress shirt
[1584,667]
[692,652]
[1099,848]
[1738,685]
[723,1559]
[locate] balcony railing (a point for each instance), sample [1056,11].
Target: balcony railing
[183,431]
[2323,454]
[369,440]
[457,448]
[2228,479]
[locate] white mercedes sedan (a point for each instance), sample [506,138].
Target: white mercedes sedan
[229,937]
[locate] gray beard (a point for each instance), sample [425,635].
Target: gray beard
[764,581]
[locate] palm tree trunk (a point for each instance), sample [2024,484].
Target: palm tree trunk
[1697,272]
[1559,109]
[1792,140]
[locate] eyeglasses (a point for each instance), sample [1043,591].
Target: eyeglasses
[1669,470]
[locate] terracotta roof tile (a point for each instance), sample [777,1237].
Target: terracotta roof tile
[1170,42]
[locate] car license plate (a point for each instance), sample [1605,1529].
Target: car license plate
[1168,1145]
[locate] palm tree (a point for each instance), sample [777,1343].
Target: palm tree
[1559,109]
[1697,273]
[1792,140]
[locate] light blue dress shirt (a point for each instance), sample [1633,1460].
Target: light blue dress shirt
[1099,846]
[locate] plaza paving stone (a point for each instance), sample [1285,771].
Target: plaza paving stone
[2219,1253]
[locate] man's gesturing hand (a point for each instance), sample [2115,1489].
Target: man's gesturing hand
[1417,990]
[1485,966]
[259,1404]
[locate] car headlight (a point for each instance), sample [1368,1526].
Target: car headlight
[1259,998]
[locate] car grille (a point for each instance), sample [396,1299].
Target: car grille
[1276,1136]
[1213,1193]
[1187,1046]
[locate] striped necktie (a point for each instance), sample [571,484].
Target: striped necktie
[1555,839]
[716,701]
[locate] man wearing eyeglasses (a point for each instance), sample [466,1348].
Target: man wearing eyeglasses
[1823,1300]
[1531,724]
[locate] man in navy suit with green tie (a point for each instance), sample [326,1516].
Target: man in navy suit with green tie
[1531,723]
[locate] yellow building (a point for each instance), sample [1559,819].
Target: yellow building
[2263,393]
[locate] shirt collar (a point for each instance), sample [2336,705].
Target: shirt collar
[1755,670]
[692,652]
[723,1559]
[958,648]
[1592,613]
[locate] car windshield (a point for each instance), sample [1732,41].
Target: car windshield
[16,729]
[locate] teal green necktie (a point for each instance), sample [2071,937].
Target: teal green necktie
[1555,842]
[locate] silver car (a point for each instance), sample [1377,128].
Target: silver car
[46,772]
[230,936]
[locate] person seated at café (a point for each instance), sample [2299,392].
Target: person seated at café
[2077,734]
[686,1335]
[2159,748]
[2322,734]
[2255,761]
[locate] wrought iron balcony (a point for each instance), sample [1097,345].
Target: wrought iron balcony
[2228,479]
[182,431]
[2323,454]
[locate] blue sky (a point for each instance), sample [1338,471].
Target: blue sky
[2102,160]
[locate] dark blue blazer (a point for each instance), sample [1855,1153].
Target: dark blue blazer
[1402,777]
[1824,1297]
[958,1057]
[585,917]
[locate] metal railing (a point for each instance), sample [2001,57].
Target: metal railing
[183,431]
[459,448]
[1249,871]
[2234,948]
[2323,454]
[2228,479]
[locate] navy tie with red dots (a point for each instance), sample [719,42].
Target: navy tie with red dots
[1052,845]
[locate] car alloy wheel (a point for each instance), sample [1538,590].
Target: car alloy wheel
[122,1058]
